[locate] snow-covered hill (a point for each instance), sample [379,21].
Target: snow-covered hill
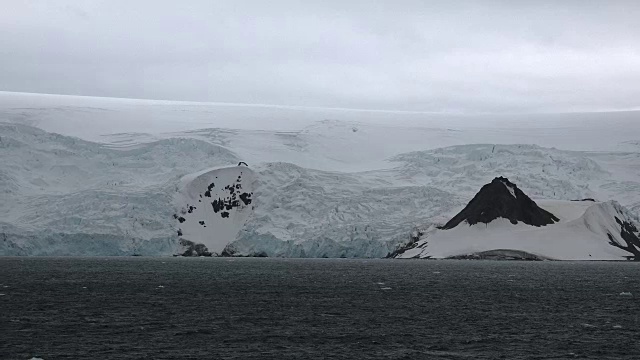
[578,230]
[212,207]
[335,188]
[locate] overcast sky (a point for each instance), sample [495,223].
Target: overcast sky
[442,56]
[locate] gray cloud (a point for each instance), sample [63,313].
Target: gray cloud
[476,56]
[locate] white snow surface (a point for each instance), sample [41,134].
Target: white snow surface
[92,176]
[510,189]
[582,234]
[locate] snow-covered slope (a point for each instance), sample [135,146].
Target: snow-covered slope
[213,206]
[501,220]
[586,237]
[323,139]
[354,186]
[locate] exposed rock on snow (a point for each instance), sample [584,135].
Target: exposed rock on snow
[192,249]
[629,234]
[500,254]
[213,206]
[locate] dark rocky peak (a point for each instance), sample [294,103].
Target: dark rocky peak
[502,199]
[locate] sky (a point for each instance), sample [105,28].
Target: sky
[432,56]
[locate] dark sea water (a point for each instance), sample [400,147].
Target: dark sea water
[221,308]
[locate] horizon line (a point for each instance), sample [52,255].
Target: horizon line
[302,107]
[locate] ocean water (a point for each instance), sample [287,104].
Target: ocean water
[222,308]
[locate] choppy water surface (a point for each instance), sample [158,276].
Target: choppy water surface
[167,308]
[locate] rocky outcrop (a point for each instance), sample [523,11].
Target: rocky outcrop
[500,254]
[414,237]
[629,234]
[193,249]
[501,199]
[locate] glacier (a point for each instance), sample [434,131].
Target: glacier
[66,196]
[330,188]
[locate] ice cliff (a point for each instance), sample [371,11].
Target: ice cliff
[334,194]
